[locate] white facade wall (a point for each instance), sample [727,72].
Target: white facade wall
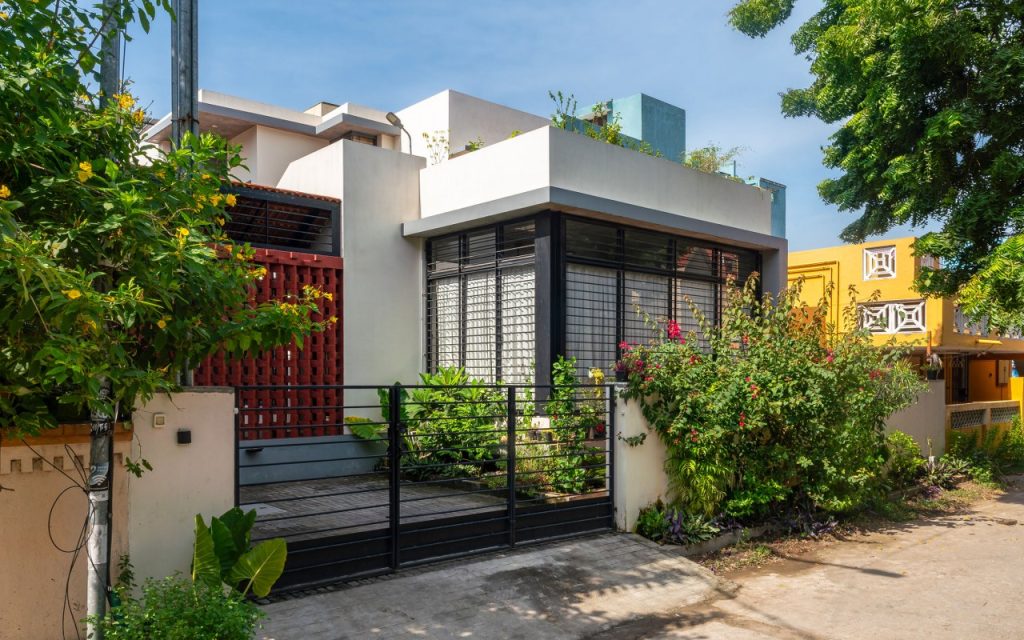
[640,477]
[267,152]
[464,119]
[550,157]
[581,164]
[515,166]
[187,479]
[383,303]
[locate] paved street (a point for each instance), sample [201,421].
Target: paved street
[947,578]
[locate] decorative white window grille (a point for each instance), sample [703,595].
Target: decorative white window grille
[893,317]
[880,263]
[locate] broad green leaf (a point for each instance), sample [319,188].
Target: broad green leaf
[260,567]
[224,546]
[205,566]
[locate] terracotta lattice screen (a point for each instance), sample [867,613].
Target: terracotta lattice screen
[303,411]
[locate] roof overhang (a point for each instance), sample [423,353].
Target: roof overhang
[560,199]
[230,117]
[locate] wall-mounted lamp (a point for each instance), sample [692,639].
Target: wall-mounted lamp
[396,121]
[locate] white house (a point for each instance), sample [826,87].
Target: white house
[542,242]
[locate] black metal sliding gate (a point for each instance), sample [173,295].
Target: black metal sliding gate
[365,480]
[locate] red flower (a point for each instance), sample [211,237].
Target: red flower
[746,340]
[830,358]
[674,332]
[624,345]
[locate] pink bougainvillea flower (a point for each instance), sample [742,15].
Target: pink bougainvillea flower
[674,332]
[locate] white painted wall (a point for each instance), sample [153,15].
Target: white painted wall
[383,304]
[552,157]
[509,168]
[267,152]
[185,480]
[925,419]
[383,311]
[472,118]
[579,163]
[640,477]
[250,158]
[465,119]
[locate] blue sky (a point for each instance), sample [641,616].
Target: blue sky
[391,53]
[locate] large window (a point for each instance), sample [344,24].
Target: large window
[621,281]
[480,302]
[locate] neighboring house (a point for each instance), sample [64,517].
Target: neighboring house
[541,243]
[974,364]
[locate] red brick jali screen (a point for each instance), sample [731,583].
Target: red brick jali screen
[301,411]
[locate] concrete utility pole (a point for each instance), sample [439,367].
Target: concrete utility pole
[101,433]
[184,70]
[185,86]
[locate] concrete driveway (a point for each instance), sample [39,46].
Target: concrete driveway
[957,577]
[950,577]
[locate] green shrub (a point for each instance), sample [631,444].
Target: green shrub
[652,523]
[452,425]
[687,528]
[177,609]
[572,415]
[905,460]
[946,472]
[772,409]
[1011,449]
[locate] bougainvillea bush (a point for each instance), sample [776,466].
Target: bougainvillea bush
[774,409]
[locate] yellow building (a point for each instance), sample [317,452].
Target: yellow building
[977,364]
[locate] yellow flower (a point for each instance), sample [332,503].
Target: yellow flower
[4,15]
[219,220]
[84,171]
[260,272]
[215,199]
[333,319]
[182,232]
[329,297]
[160,323]
[73,294]
[230,200]
[205,176]
[5,192]
[92,325]
[138,116]
[124,100]
[597,375]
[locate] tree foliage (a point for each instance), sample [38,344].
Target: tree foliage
[930,97]
[113,259]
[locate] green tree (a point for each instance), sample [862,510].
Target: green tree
[711,158]
[930,97]
[114,265]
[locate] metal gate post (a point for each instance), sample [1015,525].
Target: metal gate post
[610,478]
[510,465]
[238,441]
[394,462]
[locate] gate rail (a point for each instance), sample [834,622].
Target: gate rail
[406,474]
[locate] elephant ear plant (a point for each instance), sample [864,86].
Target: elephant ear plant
[223,554]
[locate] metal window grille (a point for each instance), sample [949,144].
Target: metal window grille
[275,219]
[621,282]
[480,302]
